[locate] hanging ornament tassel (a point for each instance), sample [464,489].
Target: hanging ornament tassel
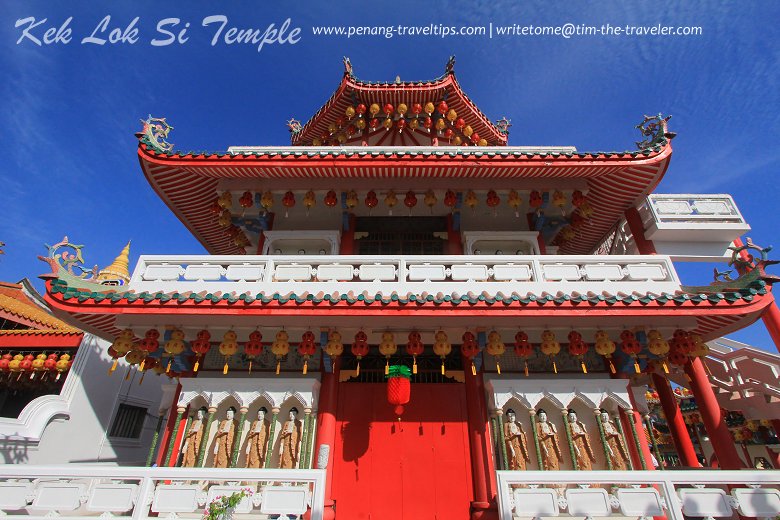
[555,367]
[584,368]
[473,369]
[611,367]
[143,364]
[498,367]
[113,367]
[305,366]
[225,368]
[168,368]
[442,367]
[666,367]
[357,370]
[387,367]
[414,365]
[197,364]
[143,374]
[127,375]
[250,366]
[526,369]
[636,366]
[278,366]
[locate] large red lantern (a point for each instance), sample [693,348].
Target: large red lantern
[201,346]
[630,346]
[360,109]
[450,199]
[414,347]
[523,348]
[578,348]
[469,348]
[288,201]
[371,201]
[331,199]
[410,201]
[150,363]
[306,348]
[398,387]
[149,344]
[416,109]
[388,109]
[359,348]
[246,200]
[442,108]
[254,347]
[535,199]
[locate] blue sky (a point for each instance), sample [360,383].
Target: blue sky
[69,111]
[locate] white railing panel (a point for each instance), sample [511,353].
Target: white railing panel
[90,492]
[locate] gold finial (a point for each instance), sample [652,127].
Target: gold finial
[119,270]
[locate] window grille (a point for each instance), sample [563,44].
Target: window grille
[128,422]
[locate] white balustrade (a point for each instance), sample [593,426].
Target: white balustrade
[88,491]
[477,274]
[638,494]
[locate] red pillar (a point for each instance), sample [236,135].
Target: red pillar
[326,430]
[680,436]
[165,437]
[478,441]
[488,444]
[712,416]
[454,243]
[637,228]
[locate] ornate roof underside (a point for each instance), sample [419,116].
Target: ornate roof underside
[715,313]
[189,182]
[42,329]
[353,91]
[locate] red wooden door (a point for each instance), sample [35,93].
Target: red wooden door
[418,468]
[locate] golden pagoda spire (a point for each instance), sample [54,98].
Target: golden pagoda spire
[119,270]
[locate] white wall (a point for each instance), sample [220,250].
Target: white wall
[72,427]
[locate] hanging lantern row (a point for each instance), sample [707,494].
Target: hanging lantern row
[222,205]
[682,346]
[426,118]
[35,365]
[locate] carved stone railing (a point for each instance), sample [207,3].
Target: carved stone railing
[689,208]
[83,491]
[675,495]
[407,274]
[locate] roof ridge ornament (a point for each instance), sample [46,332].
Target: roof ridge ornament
[347,67]
[655,129]
[502,125]
[752,269]
[450,67]
[155,131]
[294,126]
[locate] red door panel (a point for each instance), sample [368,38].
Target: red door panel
[417,468]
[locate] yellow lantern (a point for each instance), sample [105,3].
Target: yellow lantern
[122,345]
[550,347]
[316,142]
[388,123]
[457,140]
[228,347]
[309,201]
[559,199]
[495,347]
[451,115]
[360,124]
[429,108]
[342,138]
[440,124]
[134,357]
[351,199]
[586,210]
[225,200]
[700,348]
[402,108]
[390,201]
[334,347]
[225,219]
[482,142]
[387,348]
[267,200]
[332,128]
[441,347]
[414,124]
[467,130]
[373,109]
[514,201]
[658,346]
[350,112]
[471,199]
[430,199]
[605,347]
[62,365]
[280,347]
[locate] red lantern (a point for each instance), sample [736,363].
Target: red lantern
[5,361]
[246,200]
[401,124]
[398,387]
[359,348]
[448,133]
[288,201]
[360,109]
[388,109]
[630,346]
[201,345]
[306,348]
[149,344]
[254,347]
[460,123]
[150,363]
[410,200]
[523,348]
[442,108]
[216,208]
[414,347]
[474,138]
[576,220]
[428,123]
[535,199]
[417,109]
[469,348]
[50,364]
[450,199]
[493,200]
[577,198]
[374,123]
[331,199]
[578,348]
[371,200]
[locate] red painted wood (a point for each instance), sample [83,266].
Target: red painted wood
[41,341]
[712,416]
[677,428]
[634,221]
[326,428]
[415,468]
[162,447]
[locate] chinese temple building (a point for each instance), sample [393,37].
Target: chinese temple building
[401,315]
